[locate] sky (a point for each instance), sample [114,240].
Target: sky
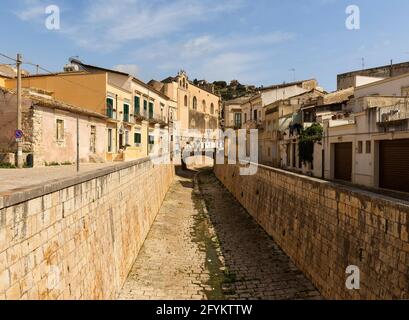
[260,42]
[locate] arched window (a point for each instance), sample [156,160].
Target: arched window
[186,101]
[204,106]
[212,108]
[194,103]
[184,83]
[180,82]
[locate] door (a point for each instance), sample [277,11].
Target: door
[394,165]
[93,141]
[121,141]
[343,161]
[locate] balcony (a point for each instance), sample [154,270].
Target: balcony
[111,114]
[152,118]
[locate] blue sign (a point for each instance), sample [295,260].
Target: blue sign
[19,134]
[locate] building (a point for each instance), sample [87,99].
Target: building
[133,109]
[282,122]
[254,109]
[371,146]
[232,113]
[366,76]
[197,108]
[50,130]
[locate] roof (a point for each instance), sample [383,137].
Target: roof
[284,85]
[338,96]
[357,72]
[41,98]
[239,100]
[405,75]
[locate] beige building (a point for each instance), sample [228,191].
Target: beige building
[254,110]
[282,123]
[50,130]
[232,113]
[197,107]
[371,146]
[133,108]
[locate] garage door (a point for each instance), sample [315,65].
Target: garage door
[343,161]
[394,165]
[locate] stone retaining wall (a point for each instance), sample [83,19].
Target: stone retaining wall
[78,238]
[325,227]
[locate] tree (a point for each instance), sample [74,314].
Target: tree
[308,138]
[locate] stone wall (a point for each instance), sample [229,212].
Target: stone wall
[325,227]
[78,238]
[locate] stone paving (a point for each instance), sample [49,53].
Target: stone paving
[204,245]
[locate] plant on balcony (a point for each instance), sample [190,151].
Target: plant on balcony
[308,138]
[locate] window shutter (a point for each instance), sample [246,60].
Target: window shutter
[150,110]
[137,105]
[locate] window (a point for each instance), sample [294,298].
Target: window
[360,146]
[109,140]
[137,105]
[126,112]
[255,115]
[60,130]
[194,103]
[110,108]
[237,120]
[245,117]
[151,140]
[204,106]
[368,147]
[212,108]
[137,138]
[150,110]
[185,101]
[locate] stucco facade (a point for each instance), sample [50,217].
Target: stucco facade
[50,130]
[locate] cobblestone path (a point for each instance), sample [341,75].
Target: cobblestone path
[203,245]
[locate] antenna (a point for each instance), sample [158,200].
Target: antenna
[363,63]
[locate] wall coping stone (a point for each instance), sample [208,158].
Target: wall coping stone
[372,196]
[20,195]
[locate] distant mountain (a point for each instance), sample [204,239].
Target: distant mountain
[233,90]
[227,91]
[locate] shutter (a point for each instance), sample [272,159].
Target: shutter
[137,105]
[150,110]
[343,161]
[394,165]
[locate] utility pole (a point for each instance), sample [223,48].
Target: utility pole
[78,143]
[19,113]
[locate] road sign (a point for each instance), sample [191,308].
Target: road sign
[18,134]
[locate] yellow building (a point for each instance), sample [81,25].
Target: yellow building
[197,107]
[134,109]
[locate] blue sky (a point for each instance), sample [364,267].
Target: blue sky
[254,41]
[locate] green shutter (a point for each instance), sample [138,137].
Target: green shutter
[137,105]
[126,112]
[110,108]
[137,138]
[150,110]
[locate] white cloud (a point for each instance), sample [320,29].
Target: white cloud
[108,24]
[131,69]
[32,10]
